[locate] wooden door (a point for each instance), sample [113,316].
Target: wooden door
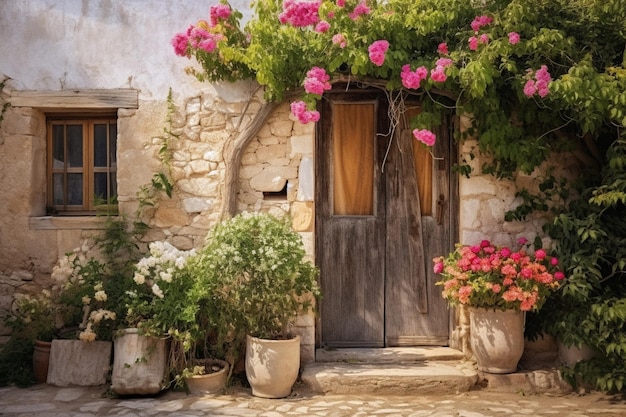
[382,214]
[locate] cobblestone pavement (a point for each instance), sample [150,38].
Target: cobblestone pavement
[48,401]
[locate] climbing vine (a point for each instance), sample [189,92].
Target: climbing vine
[535,76]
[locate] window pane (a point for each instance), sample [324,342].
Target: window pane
[100,145]
[113,184]
[100,186]
[353,158]
[75,145]
[57,189]
[58,147]
[113,144]
[75,189]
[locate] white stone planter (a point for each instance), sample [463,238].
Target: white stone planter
[74,362]
[497,339]
[139,363]
[272,366]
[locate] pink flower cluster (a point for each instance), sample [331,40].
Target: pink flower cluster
[514,38]
[413,79]
[316,81]
[377,52]
[359,10]
[539,84]
[475,41]
[340,40]
[300,13]
[425,136]
[480,21]
[497,277]
[442,48]
[304,116]
[218,13]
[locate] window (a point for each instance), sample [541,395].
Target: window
[82,163]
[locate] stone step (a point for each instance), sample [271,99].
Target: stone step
[432,370]
[400,370]
[426,377]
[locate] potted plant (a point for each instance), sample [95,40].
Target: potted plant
[498,285]
[33,319]
[162,308]
[259,279]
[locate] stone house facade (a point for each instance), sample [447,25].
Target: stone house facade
[233,152]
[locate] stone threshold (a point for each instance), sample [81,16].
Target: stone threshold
[418,370]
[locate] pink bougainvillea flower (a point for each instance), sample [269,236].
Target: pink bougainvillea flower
[559,276]
[180,42]
[554,261]
[484,38]
[316,81]
[540,254]
[425,136]
[341,3]
[413,79]
[522,241]
[340,40]
[304,116]
[300,13]
[438,267]
[480,21]
[218,13]
[359,10]
[377,52]
[322,26]
[438,74]
[442,48]
[539,84]
[514,38]
[473,43]
[443,62]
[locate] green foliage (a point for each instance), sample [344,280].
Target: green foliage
[582,42]
[16,362]
[591,305]
[254,269]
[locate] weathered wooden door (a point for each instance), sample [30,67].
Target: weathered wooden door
[382,213]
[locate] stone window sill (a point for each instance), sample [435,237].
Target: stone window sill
[66,223]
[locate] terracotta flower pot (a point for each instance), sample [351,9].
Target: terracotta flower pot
[211,382]
[41,361]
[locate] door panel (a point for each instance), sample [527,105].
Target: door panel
[375,263]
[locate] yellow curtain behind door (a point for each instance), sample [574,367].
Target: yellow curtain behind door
[423,168]
[353,158]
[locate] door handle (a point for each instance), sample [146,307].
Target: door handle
[441,204]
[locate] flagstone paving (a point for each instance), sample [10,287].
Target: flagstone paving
[50,401]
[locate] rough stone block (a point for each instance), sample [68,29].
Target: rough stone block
[74,362]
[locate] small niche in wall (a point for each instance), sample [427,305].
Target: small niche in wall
[276,195]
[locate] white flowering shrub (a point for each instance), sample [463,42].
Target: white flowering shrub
[256,274]
[161,301]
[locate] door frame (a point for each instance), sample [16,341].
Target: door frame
[452,212]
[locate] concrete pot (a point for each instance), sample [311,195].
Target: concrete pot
[497,339]
[74,362]
[571,355]
[272,366]
[139,363]
[209,383]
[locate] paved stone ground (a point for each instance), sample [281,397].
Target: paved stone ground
[50,401]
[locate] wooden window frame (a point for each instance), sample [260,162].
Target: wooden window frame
[88,122]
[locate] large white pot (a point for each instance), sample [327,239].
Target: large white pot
[571,355]
[497,339]
[139,363]
[272,366]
